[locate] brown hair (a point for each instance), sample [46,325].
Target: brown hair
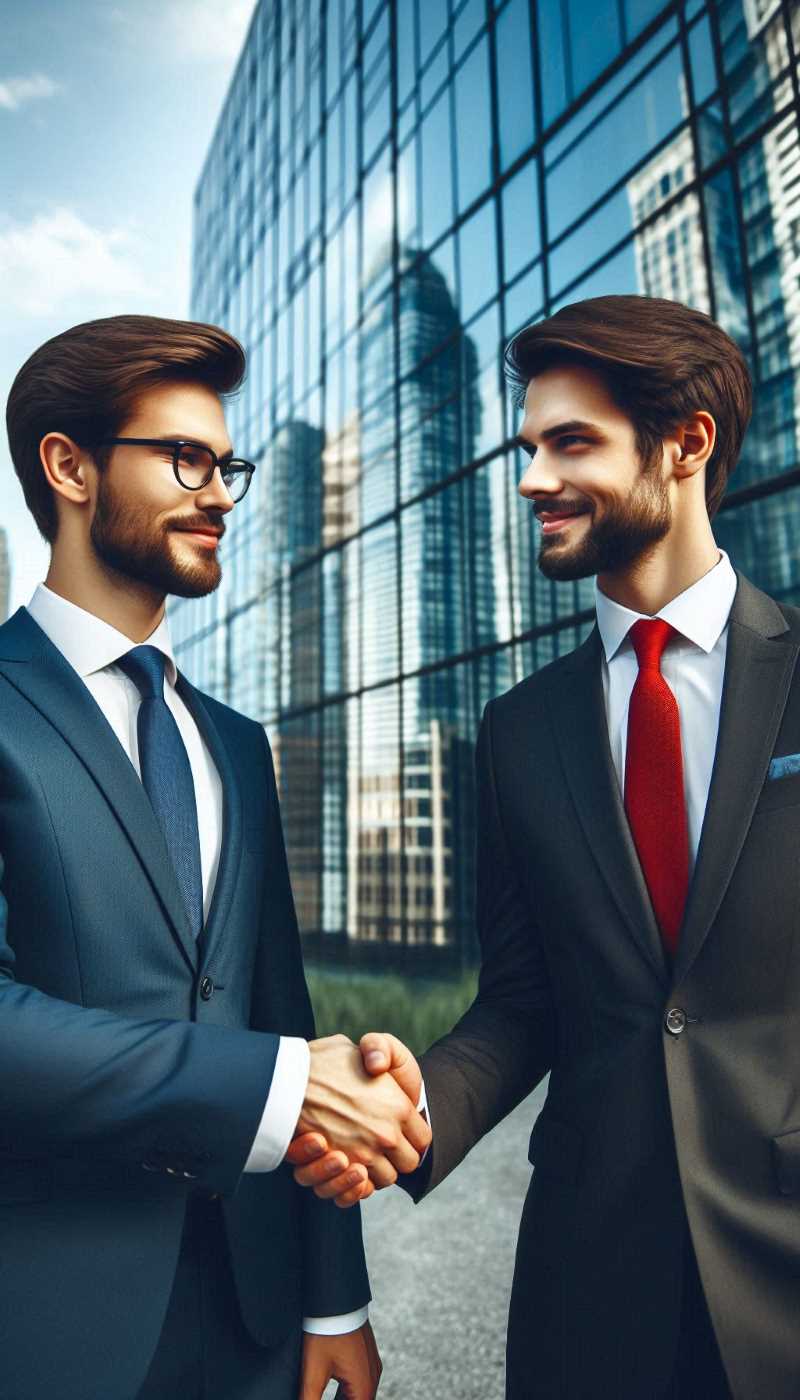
[662,362]
[85,383]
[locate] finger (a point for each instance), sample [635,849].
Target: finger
[332,1164]
[381,1171]
[306,1148]
[355,1194]
[417,1131]
[343,1181]
[314,1378]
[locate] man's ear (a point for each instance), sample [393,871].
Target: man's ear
[67,467]
[693,443]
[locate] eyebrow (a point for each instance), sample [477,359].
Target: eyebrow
[572,425]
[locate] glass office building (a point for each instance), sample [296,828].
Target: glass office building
[394,188]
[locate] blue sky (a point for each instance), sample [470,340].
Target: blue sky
[106,113]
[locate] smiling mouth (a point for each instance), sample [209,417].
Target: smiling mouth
[552,520]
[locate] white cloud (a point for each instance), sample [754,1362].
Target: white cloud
[57,260]
[15,91]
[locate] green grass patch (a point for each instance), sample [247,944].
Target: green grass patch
[417,1012]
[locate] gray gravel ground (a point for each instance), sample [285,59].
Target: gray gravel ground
[441,1271]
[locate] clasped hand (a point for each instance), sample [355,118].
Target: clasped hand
[359,1125]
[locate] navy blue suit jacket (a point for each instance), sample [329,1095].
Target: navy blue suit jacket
[122,1089]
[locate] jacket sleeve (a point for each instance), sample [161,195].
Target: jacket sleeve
[85,1083]
[335,1277]
[504,1044]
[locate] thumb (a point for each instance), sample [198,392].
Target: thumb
[381,1051]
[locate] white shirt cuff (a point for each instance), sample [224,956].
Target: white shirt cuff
[335,1326]
[282,1109]
[422,1107]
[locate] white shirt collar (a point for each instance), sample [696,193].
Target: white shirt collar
[88,643]
[700,613]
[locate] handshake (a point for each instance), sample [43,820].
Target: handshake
[360,1123]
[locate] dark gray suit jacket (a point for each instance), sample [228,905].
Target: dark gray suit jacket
[124,1085]
[642,1127]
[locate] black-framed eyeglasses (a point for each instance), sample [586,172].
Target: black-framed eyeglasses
[194,464]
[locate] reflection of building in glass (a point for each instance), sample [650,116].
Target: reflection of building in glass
[408,868]
[669,247]
[378,212]
[294,488]
[5,576]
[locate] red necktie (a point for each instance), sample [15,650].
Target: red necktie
[654,796]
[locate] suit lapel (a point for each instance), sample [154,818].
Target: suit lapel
[759,665]
[36,668]
[579,717]
[232,826]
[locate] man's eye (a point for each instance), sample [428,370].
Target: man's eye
[569,438]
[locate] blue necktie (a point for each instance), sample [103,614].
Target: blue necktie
[167,775]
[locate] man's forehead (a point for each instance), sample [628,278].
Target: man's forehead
[178,410]
[567,392]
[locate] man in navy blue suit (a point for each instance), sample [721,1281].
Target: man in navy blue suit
[154,1018]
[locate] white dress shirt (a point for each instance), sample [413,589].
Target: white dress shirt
[91,647]
[693,665]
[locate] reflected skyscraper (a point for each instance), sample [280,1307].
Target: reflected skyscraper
[410,834]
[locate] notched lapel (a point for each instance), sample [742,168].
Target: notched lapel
[232,824]
[579,718]
[759,666]
[36,668]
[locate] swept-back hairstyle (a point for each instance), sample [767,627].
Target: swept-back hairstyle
[85,383]
[662,362]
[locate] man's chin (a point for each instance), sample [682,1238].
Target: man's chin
[185,583]
[564,565]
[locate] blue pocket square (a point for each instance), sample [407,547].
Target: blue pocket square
[784,767]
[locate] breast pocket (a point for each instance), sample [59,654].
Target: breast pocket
[777,792]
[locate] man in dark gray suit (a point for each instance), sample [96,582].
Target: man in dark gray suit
[637,899]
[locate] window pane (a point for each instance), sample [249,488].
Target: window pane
[553,70]
[375,874]
[477,242]
[521,241]
[437,171]
[595,39]
[379,600]
[514,81]
[473,126]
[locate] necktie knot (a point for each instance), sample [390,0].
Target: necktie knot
[649,636]
[145,666]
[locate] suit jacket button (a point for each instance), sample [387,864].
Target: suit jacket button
[675,1020]
[207,989]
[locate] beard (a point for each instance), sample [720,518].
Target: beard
[125,539]
[627,529]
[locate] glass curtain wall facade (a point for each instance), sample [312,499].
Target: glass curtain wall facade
[393,190]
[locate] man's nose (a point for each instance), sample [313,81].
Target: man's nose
[215,495]
[540,478]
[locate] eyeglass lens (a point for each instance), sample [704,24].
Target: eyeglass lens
[195,467]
